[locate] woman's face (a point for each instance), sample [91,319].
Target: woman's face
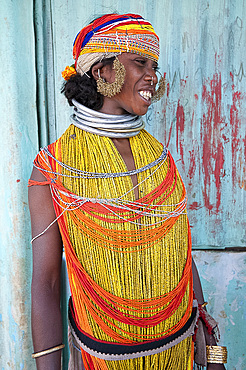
[136,93]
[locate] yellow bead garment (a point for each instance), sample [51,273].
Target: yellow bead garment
[148,273]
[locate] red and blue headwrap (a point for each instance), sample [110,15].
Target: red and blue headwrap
[111,35]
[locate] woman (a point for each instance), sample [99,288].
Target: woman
[119,208]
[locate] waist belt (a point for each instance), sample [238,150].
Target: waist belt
[118,351]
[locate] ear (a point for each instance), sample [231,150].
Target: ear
[95,68]
[104,70]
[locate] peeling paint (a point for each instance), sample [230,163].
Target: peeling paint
[222,314]
[207,137]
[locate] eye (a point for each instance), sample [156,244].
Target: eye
[156,68]
[140,61]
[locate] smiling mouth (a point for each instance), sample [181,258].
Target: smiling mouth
[147,95]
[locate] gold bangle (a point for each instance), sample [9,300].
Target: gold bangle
[47,351]
[216,354]
[204,304]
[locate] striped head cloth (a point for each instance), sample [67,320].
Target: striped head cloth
[111,35]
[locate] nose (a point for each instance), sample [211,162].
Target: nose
[151,76]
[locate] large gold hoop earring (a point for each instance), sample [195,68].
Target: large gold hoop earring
[111,89]
[160,91]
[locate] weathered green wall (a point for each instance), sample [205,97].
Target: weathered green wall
[202,118]
[18,146]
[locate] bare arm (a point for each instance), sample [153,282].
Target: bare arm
[199,296]
[47,257]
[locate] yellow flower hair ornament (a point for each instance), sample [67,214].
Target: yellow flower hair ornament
[68,72]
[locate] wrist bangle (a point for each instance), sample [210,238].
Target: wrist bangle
[216,354]
[47,351]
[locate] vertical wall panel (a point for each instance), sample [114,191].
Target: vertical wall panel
[18,147]
[203,116]
[44,46]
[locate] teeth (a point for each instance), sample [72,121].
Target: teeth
[146,94]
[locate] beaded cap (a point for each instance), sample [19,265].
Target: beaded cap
[111,35]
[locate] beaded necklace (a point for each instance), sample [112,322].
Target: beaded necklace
[128,260]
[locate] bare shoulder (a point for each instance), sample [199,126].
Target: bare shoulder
[39,197]
[37,175]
